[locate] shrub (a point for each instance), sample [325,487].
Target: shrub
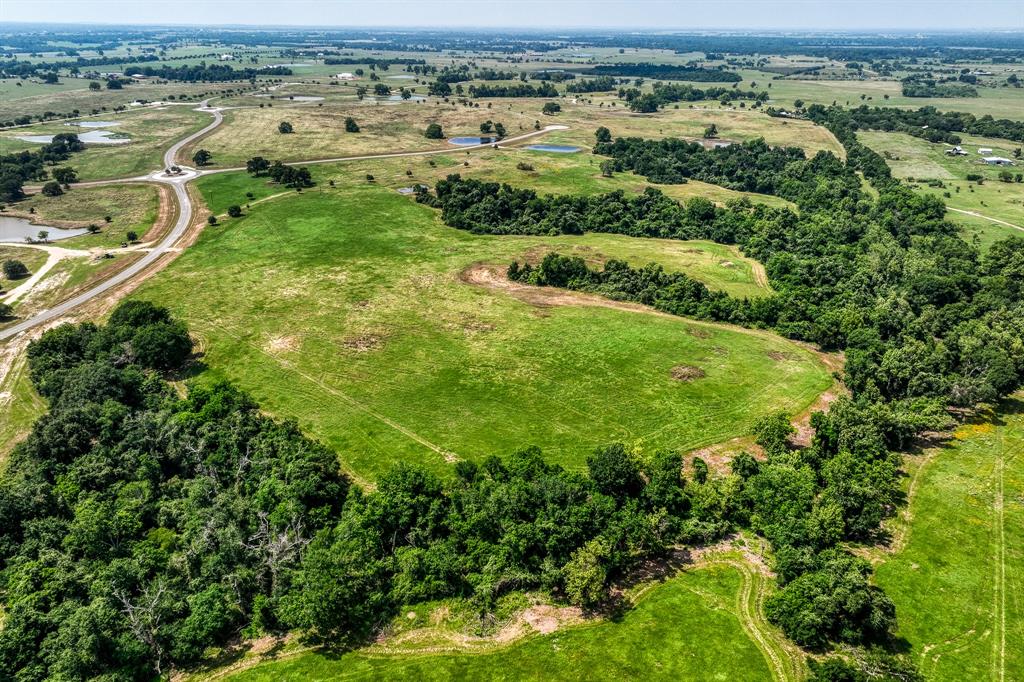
[52,189]
[15,269]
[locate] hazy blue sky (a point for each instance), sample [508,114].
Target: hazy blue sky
[775,14]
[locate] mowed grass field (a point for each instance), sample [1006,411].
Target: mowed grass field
[344,309]
[152,131]
[691,627]
[957,583]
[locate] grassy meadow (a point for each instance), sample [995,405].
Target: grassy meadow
[956,579]
[344,309]
[152,131]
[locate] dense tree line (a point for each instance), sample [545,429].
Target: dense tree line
[192,73]
[553,75]
[667,93]
[517,90]
[752,166]
[25,166]
[599,84]
[138,528]
[14,67]
[926,122]
[922,86]
[666,72]
[374,62]
[141,527]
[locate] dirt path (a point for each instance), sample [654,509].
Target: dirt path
[760,274]
[785,664]
[985,217]
[999,579]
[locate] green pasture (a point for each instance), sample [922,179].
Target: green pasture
[956,582]
[344,308]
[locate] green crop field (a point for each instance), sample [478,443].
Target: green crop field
[956,582]
[345,309]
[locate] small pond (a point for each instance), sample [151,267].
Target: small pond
[557,148]
[91,137]
[401,76]
[412,98]
[94,124]
[470,141]
[18,229]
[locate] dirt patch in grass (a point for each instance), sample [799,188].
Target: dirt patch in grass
[687,373]
[779,356]
[545,618]
[364,342]
[280,344]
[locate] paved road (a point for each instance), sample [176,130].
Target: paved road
[178,183]
[184,219]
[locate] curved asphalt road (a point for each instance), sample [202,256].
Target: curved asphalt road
[184,219]
[185,213]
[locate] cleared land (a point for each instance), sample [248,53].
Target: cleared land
[320,131]
[956,582]
[552,173]
[344,308]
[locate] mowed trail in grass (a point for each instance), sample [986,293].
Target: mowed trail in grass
[344,309]
[688,628]
[958,584]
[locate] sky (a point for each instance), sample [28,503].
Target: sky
[541,14]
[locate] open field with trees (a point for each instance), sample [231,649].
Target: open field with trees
[151,131]
[252,132]
[731,392]
[361,304]
[931,171]
[131,208]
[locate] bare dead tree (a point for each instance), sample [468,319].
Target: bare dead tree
[143,616]
[277,547]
